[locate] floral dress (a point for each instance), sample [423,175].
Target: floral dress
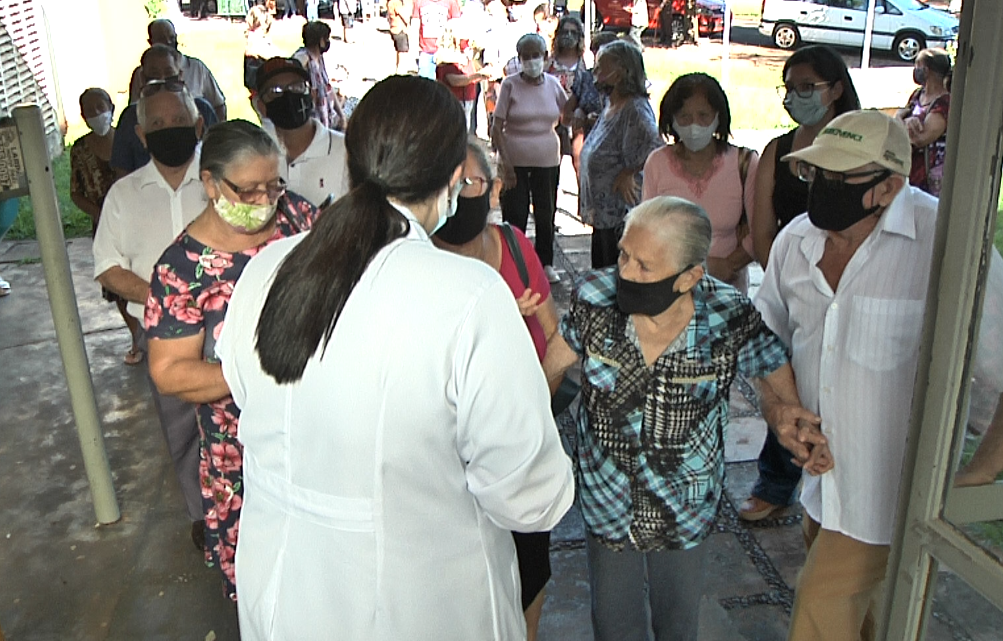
[928,162]
[189,294]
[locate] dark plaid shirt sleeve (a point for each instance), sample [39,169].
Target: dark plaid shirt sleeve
[762,352]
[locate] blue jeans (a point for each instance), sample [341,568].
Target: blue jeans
[778,477]
[426,65]
[637,592]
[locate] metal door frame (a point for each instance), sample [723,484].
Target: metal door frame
[965,227]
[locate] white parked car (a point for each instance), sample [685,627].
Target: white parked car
[901,26]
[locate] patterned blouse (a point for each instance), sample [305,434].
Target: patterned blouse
[189,294]
[90,176]
[650,457]
[928,162]
[619,141]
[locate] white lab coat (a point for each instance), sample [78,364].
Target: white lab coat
[380,489]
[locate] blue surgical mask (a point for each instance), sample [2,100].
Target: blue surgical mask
[806,111]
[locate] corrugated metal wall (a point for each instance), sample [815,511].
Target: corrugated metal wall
[26,73]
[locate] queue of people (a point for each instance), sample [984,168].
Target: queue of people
[350,454]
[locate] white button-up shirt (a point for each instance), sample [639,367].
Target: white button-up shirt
[320,170]
[854,353]
[141,216]
[381,488]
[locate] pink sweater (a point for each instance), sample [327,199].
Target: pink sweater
[719,192]
[531,113]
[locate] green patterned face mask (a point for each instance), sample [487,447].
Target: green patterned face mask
[244,217]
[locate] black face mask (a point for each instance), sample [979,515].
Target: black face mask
[834,205]
[649,299]
[290,110]
[173,146]
[470,219]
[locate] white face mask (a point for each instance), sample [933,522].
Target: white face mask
[533,68]
[100,124]
[695,137]
[447,206]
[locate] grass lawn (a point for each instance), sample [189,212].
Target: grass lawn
[751,89]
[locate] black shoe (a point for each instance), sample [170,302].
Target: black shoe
[198,535]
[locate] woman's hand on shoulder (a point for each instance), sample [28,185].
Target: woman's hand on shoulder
[529,302]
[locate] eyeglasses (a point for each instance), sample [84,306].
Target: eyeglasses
[808,172]
[272,191]
[473,186]
[802,89]
[574,32]
[174,84]
[299,87]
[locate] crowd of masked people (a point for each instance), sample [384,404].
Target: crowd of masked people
[353,368]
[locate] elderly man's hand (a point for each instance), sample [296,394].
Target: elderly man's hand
[625,185]
[820,461]
[797,430]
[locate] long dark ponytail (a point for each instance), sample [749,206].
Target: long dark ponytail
[405,139]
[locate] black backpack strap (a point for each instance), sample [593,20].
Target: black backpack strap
[513,248]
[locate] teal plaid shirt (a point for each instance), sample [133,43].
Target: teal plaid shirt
[650,454]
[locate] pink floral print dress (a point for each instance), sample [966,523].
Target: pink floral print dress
[190,290]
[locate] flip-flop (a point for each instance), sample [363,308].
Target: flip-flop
[133,357]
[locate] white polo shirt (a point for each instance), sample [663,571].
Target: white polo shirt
[320,170]
[141,216]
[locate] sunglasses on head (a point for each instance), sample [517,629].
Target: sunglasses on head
[173,84]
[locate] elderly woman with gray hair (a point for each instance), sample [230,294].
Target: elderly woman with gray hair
[660,343]
[248,209]
[529,107]
[615,150]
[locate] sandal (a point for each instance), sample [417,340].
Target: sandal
[134,356]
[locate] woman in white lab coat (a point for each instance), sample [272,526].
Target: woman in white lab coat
[396,422]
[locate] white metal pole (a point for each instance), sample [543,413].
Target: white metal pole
[65,315]
[726,58]
[865,58]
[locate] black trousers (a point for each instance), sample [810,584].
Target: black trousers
[605,249]
[200,9]
[539,185]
